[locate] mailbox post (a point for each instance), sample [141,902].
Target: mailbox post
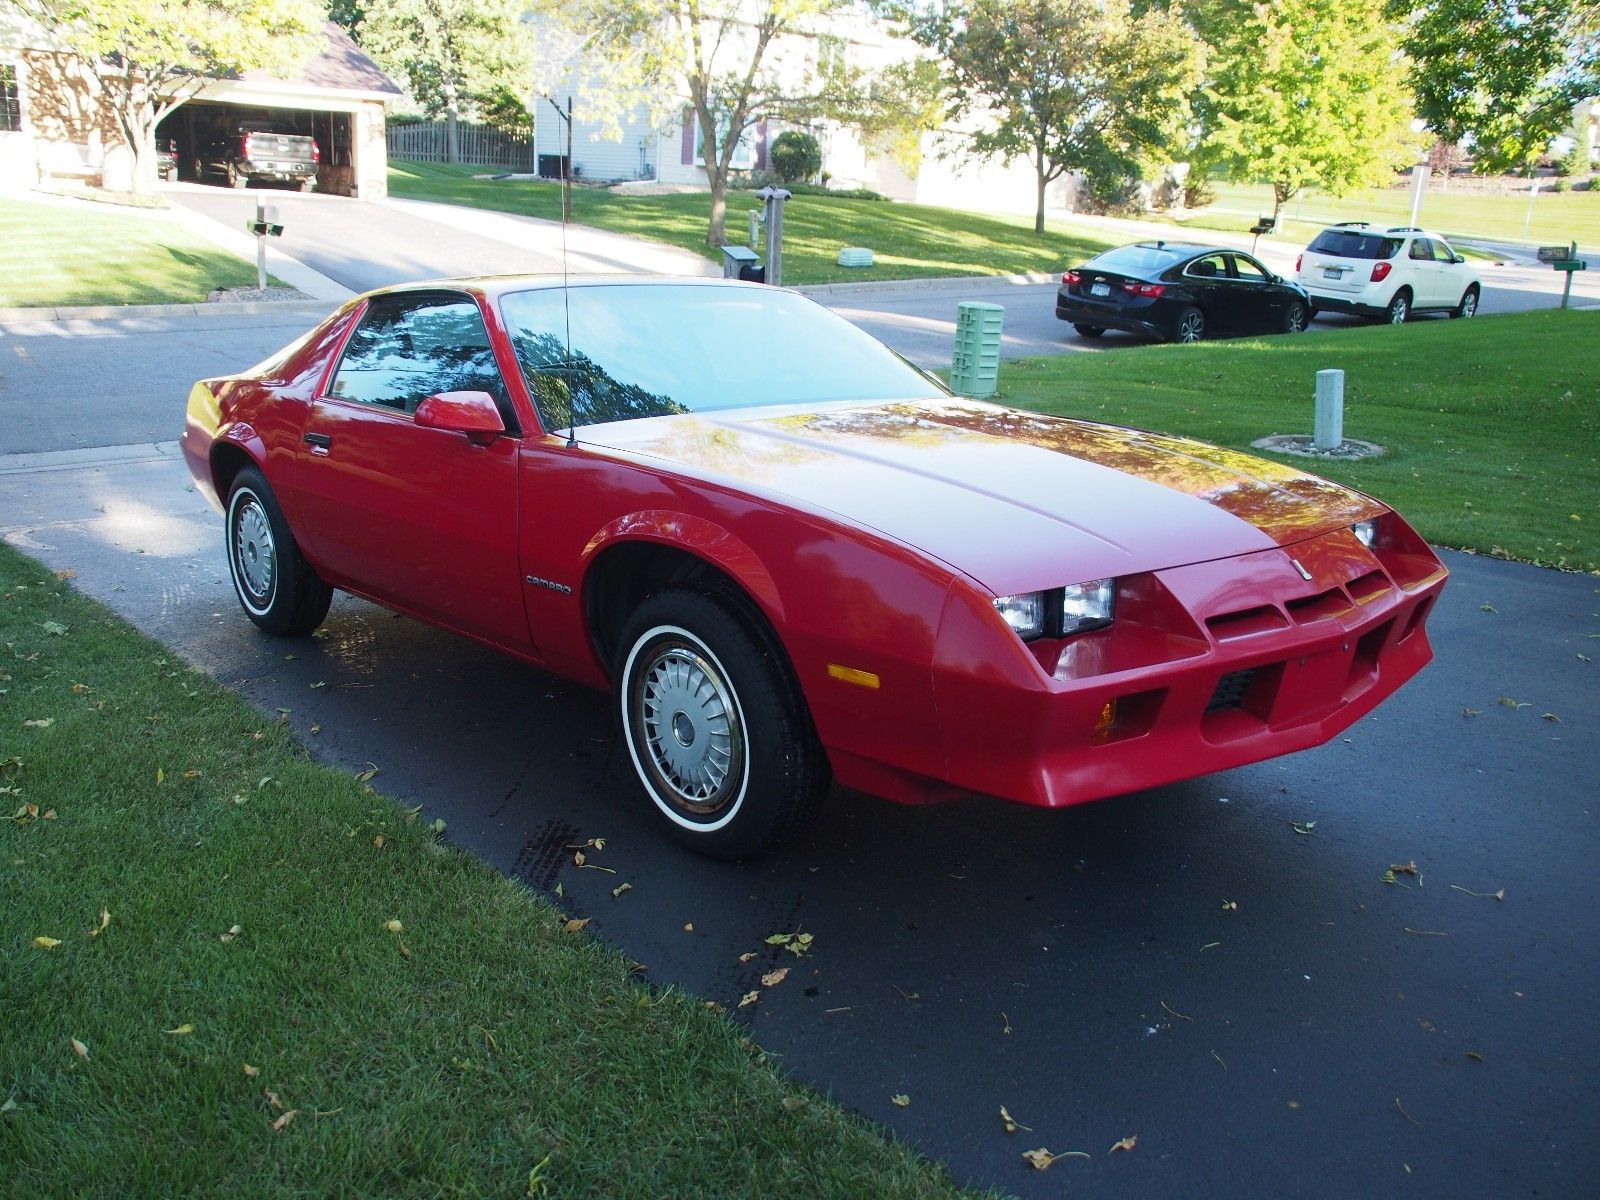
[264,226]
[1564,258]
[772,200]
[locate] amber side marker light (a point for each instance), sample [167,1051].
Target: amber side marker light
[1107,718]
[860,678]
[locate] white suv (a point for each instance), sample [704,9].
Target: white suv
[1388,274]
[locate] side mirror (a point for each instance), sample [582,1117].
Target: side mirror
[472,413]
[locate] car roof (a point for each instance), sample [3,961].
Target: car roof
[492,287]
[1369,227]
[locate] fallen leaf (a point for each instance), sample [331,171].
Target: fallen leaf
[55,628]
[779,939]
[39,723]
[688,927]
[251,1072]
[620,888]
[1011,1123]
[380,841]
[715,1007]
[79,1049]
[369,774]
[1127,1143]
[272,1098]
[1230,906]
[233,932]
[1039,1159]
[1469,713]
[900,1100]
[576,924]
[1302,826]
[183,1030]
[774,978]
[1500,895]
[792,1103]
[749,999]
[105,922]
[1475,1056]
[11,1105]
[282,1122]
[394,926]
[81,689]
[161,776]
[1551,717]
[319,684]
[1488,608]
[747,956]
[315,729]
[46,943]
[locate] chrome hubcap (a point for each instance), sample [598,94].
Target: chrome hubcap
[1297,319]
[1189,331]
[1469,306]
[1397,312]
[254,553]
[688,721]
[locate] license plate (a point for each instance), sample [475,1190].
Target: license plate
[1332,272]
[1100,289]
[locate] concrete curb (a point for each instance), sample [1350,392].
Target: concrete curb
[101,312]
[86,458]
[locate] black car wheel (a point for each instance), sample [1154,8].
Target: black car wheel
[1399,308]
[1468,306]
[715,724]
[1296,318]
[1190,326]
[1088,331]
[276,587]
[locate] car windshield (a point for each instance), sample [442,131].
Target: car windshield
[1139,259]
[1352,243]
[655,350]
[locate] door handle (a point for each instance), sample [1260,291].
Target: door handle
[320,443]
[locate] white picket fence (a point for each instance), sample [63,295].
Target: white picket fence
[478,145]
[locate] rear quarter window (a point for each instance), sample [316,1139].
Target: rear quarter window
[1348,243]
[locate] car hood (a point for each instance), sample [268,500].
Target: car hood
[1015,500]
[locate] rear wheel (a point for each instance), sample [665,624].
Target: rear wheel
[1088,331]
[715,724]
[1296,318]
[235,179]
[1399,308]
[1190,326]
[307,184]
[276,587]
[1468,306]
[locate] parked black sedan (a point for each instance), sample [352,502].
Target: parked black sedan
[1180,292]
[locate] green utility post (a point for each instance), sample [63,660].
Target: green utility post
[975,363]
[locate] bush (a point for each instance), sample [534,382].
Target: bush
[1575,163]
[1113,195]
[1197,191]
[795,155]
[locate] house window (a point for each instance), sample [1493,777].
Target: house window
[10,101]
[744,154]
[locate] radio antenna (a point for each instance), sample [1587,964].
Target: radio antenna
[566,295]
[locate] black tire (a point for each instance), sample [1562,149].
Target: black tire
[235,179]
[1468,308]
[736,766]
[1190,326]
[1088,331]
[275,585]
[1399,307]
[1296,317]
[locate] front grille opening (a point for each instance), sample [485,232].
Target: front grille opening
[1319,607]
[1364,663]
[1368,587]
[1415,620]
[1245,622]
[1231,690]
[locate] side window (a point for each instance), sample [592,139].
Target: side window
[403,352]
[1422,250]
[1212,266]
[1249,270]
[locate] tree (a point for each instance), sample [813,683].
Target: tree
[727,65]
[795,155]
[1503,73]
[1302,93]
[1070,84]
[453,54]
[152,58]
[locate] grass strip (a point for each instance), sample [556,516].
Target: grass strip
[477,1049]
[1491,426]
[61,254]
[909,241]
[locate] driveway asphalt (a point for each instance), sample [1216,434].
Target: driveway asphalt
[1332,1035]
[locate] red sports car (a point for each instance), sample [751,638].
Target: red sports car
[792,557]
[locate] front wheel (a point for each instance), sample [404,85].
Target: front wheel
[1468,306]
[715,725]
[1296,318]
[276,587]
[1088,331]
[1399,308]
[1190,327]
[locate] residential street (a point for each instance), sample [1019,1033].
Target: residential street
[1077,967]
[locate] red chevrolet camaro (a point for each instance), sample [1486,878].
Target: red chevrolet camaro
[793,557]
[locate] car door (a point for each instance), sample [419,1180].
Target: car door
[1453,276]
[1426,274]
[423,519]
[1206,279]
[1261,301]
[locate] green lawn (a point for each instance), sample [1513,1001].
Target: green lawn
[218,900]
[1492,425]
[54,254]
[1558,217]
[910,240]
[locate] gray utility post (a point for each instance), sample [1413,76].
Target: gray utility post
[772,199]
[1328,430]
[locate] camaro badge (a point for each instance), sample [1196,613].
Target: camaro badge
[566,591]
[1299,566]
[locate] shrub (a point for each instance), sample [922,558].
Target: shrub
[795,155]
[1113,194]
[1197,191]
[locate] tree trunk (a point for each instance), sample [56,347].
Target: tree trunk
[1038,211]
[1281,192]
[452,135]
[716,230]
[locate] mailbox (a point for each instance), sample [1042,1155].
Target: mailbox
[741,262]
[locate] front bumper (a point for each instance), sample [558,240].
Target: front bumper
[1214,665]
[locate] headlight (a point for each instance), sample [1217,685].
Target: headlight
[1086,606]
[1366,532]
[1060,612]
[1024,613]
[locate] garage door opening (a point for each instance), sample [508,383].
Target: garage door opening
[202,135]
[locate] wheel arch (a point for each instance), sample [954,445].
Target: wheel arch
[237,447]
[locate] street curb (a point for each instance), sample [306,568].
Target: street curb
[86,458]
[956,283]
[100,312]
